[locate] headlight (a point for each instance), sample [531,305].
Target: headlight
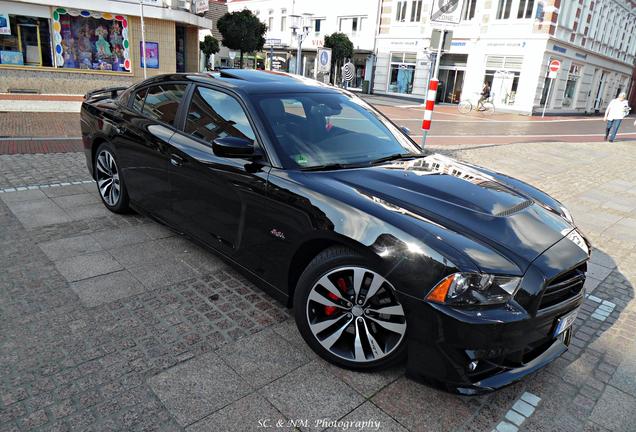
[567,215]
[464,289]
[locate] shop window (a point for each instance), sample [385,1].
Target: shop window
[402,72]
[503,85]
[503,9]
[569,96]
[27,42]
[213,114]
[525,9]
[90,40]
[162,102]
[468,12]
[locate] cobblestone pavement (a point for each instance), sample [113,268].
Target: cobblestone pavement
[113,323]
[35,169]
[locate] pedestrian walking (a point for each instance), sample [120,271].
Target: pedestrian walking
[616,111]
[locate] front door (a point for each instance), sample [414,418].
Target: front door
[142,145]
[215,199]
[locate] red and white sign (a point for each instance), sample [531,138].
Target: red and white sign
[554,67]
[430,104]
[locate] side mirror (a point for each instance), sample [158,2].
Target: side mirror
[405,130]
[233,147]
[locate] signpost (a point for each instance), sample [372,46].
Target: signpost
[553,70]
[444,14]
[271,43]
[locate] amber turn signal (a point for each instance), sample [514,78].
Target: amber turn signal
[438,294]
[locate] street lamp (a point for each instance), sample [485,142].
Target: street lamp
[300,25]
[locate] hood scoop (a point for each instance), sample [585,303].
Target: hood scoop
[514,209]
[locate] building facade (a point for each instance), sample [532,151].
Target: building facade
[72,46]
[509,44]
[356,19]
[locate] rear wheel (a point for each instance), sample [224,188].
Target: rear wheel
[465,107]
[348,312]
[110,184]
[489,108]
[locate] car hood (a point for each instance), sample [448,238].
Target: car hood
[462,198]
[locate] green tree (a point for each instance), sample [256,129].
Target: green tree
[209,45]
[242,31]
[341,49]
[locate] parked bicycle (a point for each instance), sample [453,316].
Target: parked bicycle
[487,107]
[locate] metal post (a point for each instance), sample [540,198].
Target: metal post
[547,98]
[432,58]
[271,57]
[143,36]
[299,54]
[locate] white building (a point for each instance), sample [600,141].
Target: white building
[357,19]
[509,43]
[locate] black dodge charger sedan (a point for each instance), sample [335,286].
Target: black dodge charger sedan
[382,250]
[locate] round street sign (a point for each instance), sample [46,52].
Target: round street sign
[555,65]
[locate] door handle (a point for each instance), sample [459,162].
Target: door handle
[176,160]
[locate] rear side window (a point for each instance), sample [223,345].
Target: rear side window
[162,102]
[138,102]
[213,114]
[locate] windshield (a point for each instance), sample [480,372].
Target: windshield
[325,129]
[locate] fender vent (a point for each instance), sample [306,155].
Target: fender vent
[515,209]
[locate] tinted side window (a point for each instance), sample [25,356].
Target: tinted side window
[162,102]
[214,114]
[138,102]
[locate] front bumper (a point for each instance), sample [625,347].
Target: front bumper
[507,342]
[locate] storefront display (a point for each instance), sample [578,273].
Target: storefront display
[402,72]
[91,40]
[24,40]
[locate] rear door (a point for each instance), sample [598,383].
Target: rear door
[217,199]
[143,146]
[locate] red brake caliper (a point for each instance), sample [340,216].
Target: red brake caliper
[330,310]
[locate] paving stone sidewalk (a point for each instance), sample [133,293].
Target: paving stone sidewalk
[114,323]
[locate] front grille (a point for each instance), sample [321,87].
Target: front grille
[563,287]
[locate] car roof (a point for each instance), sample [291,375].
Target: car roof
[250,81]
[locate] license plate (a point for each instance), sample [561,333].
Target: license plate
[565,322]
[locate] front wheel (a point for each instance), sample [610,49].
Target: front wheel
[465,107]
[110,184]
[349,313]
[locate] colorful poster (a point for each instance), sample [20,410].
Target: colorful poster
[11,57]
[152,54]
[5,26]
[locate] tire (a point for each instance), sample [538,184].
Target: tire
[465,107]
[110,183]
[349,335]
[489,108]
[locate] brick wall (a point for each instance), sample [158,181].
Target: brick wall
[159,31]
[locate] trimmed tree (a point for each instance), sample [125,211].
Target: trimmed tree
[209,45]
[341,49]
[242,31]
